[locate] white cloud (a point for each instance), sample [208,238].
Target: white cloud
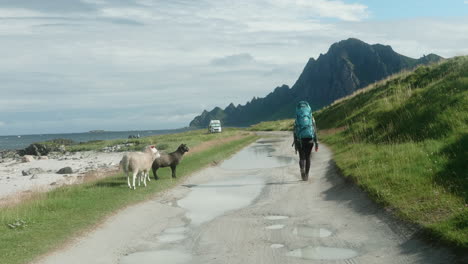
[234,60]
[155,63]
[335,9]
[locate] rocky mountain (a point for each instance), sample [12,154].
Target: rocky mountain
[349,65]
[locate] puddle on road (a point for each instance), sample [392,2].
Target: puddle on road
[175,230]
[274,227]
[276,217]
[171,238]
[311,232]
[269,141]
[160,256]
[322,253]
[256,157]
[207,201]
[277,245]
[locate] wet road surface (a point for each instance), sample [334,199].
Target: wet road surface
[252,208]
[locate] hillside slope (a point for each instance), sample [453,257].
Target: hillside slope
[348,65]
[405,141]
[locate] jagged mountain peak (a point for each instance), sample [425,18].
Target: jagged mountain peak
[348,65]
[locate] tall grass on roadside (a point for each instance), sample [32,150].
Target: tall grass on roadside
[405,142]
[40,225]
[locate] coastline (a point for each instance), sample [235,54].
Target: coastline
[16,142]
[18,179]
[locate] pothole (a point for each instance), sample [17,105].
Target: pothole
[175,230]
[276,246]
[276,217]
[171,237]
[274,227]
[311,232]
[160,256]
[322,253]
[256,157]
[208,201]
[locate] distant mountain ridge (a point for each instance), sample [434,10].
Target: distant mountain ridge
[349,65]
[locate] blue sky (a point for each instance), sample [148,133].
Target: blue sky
[400,9]
[79,65]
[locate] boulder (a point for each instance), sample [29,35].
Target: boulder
[8,154]
[28,158]
[33,177]
[43,157]
[36,149]
[32,171]
[66,170]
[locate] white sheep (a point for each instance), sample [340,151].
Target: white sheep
[137,162]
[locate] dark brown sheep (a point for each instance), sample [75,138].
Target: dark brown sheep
[169,160]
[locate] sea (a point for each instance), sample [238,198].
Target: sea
[22,141]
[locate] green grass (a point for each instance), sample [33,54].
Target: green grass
[404,140]
[168,142]
[280,125]
[40,225]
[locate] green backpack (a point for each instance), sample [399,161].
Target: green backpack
[303,127]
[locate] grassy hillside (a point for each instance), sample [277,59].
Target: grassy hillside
[405,141]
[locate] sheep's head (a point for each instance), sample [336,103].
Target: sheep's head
[183,148]
[155,152]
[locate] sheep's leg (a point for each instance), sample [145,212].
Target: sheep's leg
[135,173]
[139,178]
[128,180]
[147,176]
[155,173]
[173,168]
[144,178]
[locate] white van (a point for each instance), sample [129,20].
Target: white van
[214,126]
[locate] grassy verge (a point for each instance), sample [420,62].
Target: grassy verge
[42,224]
[280,125]
[405,142]
[167,142]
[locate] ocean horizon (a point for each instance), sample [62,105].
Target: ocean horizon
[15,142]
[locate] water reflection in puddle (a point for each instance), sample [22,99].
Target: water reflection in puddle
[276,217]
[175,230]
[172,234]
[204,203]
[256,157]
[171,238]
[269,141]
[322,253]
[277,245]
[160,256]
[311,232]
[274,227]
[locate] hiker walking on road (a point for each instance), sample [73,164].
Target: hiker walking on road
[304,136]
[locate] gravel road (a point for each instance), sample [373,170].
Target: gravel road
[252,208]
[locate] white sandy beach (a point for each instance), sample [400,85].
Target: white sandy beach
[13,183]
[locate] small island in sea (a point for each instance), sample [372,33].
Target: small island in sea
[97,131]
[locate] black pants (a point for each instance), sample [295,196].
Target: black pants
[305,148]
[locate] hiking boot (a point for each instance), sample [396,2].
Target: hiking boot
[303,175]
[302,166]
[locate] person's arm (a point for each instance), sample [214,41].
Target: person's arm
[315,134]
[294,135]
